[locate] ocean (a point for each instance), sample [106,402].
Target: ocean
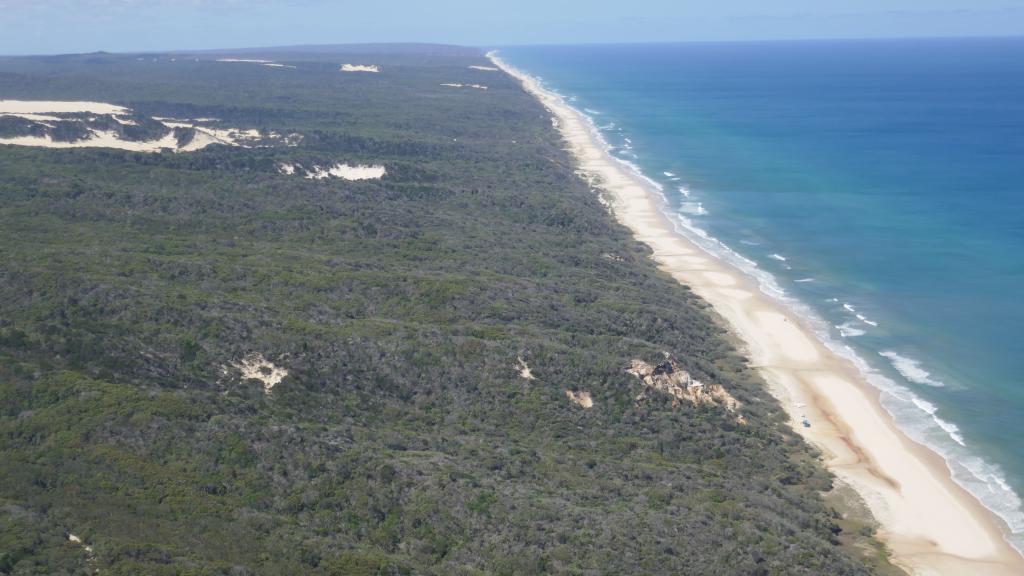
[875,186]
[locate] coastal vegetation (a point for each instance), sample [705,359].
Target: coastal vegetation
[208,366]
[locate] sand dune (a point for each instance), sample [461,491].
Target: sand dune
[343,171]
[45,114]
[49,106]
[360,68]
[268,63]
[455,85]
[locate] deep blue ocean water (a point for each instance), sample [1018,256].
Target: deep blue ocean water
[877,186]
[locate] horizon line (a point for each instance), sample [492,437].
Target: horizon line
[414,43]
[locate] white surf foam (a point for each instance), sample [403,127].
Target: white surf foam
[693,208]
[778,257]
[804,280]
[910,369]
[866,321]
[848,330]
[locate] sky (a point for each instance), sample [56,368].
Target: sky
[71,26]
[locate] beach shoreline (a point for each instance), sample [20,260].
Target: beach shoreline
[929,522]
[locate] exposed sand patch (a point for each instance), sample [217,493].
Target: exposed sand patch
[254,366]
[245,60]
[33,117]
[720,279]
[931,524]
[737,294]
[99,139]
[455,85]
[485,68]
[343,171]
[581,398]
[76,540]
[795,343]
[268,63]
[669,378]
[44,113]
[45,106]
[360,68]
[524,369]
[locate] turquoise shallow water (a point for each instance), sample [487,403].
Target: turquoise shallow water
[876,186]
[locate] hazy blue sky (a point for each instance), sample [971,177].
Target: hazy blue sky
[51,26]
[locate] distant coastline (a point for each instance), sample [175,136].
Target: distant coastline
[929,522]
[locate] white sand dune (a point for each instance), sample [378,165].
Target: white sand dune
[41,118]
[931,524]
[255,367]
[76,540]
[360,68]
[268,63]
[455,85]
[16,107]
[582,398]
[346,172]
[343,171]
[44,112]
[524,369]
[99,139]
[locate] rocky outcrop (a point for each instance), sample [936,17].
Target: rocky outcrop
[669,378]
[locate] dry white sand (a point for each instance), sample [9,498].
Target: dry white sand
[455,85]
[43,106]
[343,171]
[41,118]
[931,524]
[99,139]
[359,68]
[524,369]
[268,63]
[245,60]
[581,398]
[76,540]
[43,112]
[256,367]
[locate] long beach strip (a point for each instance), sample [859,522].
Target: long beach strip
[931,524]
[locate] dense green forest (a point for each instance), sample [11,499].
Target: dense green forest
[404,438]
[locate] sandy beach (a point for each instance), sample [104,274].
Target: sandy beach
[931,524]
